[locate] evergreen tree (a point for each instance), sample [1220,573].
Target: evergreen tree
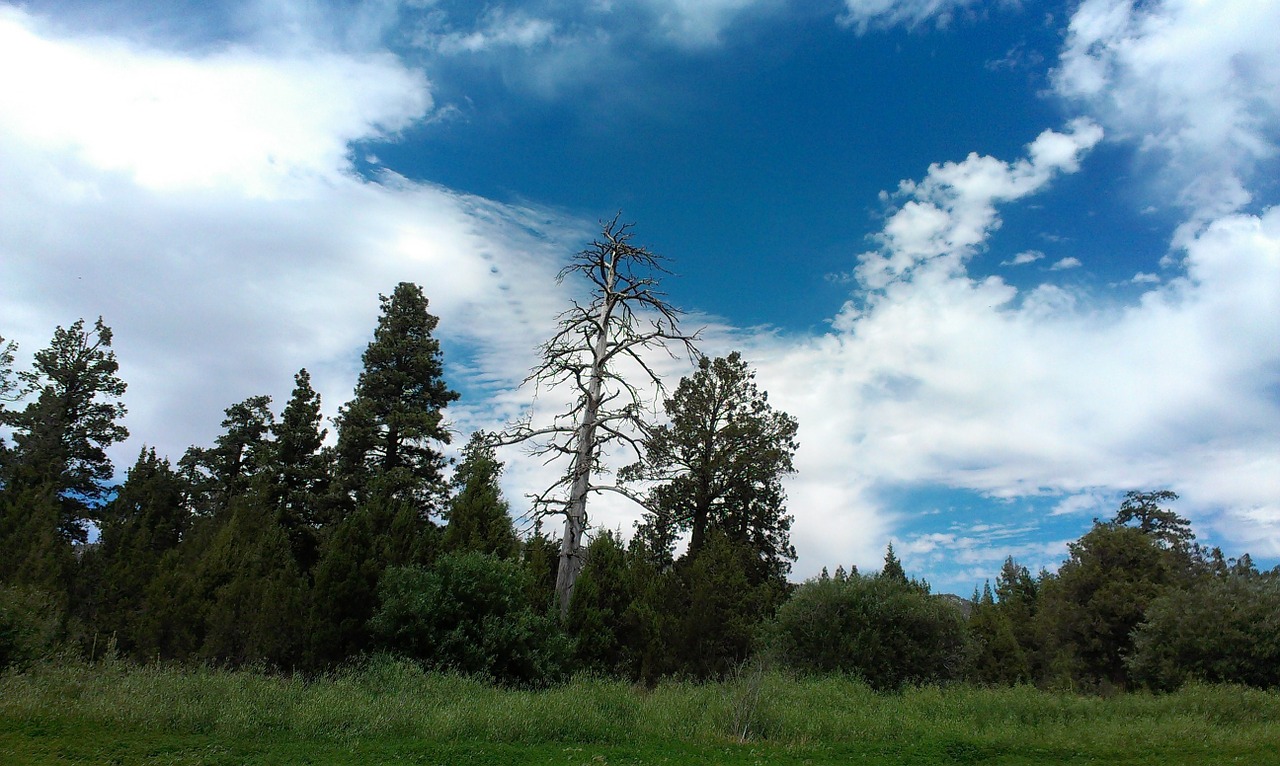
[61,438]
[1088,613]
[478,517]
[996,657]
[1143,508]
[388,434]
[301,474]
[219,474]
[9,392]
[540,556]
[720,462]
[892,569]
[256,597]
[599,616]
[145,521]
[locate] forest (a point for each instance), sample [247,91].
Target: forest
[284,548]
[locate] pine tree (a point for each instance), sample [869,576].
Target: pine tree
[300,472]
[721,460]
[144,522]
[478,517]
[61,438]
[389,432]
[219,474]
[892,569]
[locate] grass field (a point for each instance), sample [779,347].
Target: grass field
[390,712]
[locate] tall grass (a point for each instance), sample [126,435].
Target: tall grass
[387,698]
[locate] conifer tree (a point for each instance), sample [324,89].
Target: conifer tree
[389,432]
[61,438]
[144,522]
[478,516]
[892,569]
[219,474]
[720,462]
[301,474]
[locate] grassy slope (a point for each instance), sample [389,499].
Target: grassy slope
[392,713]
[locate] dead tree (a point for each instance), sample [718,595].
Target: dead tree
[594,344]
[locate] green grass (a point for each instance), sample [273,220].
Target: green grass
[391,712]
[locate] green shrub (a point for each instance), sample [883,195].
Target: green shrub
[1220,630]
[888,632]
[469,613]
[30,624]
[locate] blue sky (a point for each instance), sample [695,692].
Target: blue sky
[1003,261]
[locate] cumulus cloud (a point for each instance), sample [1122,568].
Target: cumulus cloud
[1070,262]
[1195,85]
[232,119]
[225,261]
[948,215]
[935,377]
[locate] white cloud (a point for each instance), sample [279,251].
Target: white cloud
[949,214]
[1023,258]
[225,261]
[1196,85]
[233,119]
[1070,262]
[938,378]
[699,23]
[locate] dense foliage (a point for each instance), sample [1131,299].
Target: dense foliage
[881,629]
[275,546]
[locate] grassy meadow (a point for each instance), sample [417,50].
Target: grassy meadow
[391,712]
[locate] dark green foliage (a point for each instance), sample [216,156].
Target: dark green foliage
[387,434]
[240,453]
[145,521]
[720,462]
[1088,613]
[880,629]
[60,439]
[717,607]
[478,517]
[602,618]
[892,569]
[254,594]
[30,625]
[468,613]
[1220,630]
[996,656]
[32,549]
[540,556]
[301,475]
[1143,508]
[378,535]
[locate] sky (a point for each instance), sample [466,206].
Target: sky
[1003,261]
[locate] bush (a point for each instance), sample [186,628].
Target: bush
[30,623]
[888,632]
[469,614]
[1220,630]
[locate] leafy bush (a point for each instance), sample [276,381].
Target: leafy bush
[30,622]
[469,614]
[888,632]
[1220,630]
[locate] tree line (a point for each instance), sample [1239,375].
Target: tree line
[279,546]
